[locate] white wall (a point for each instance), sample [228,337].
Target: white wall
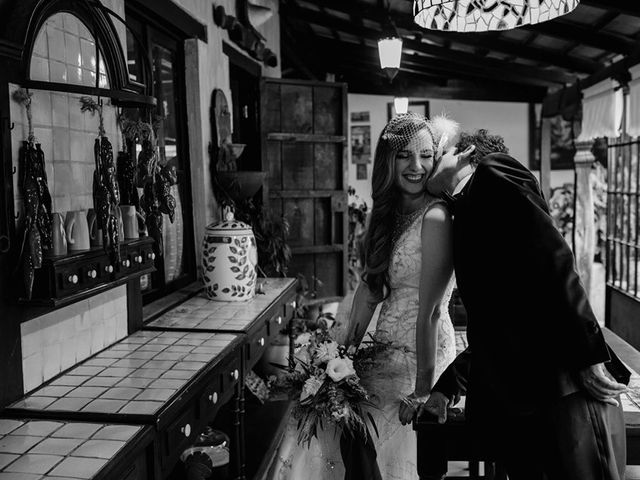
[511,120]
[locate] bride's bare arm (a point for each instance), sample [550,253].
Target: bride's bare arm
[436,270]
[364,304]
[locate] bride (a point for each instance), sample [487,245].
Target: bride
[408,269]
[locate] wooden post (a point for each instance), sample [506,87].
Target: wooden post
[545,158]
[584,233]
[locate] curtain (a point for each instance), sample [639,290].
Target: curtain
[633,127]
[601,111]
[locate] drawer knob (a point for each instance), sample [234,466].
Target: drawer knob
[108,269]
[279,320]
[213,398]
[293,304]
[235,374]
[151,256]
[261,342]
[138,259]
[73,279]
[92,274]
[186,430]
[126,263]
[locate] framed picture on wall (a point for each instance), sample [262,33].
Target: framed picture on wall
[361,144]
[359,116]
[361,171]
[563,134]
[419,106]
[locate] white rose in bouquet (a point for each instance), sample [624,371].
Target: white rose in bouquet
[326,352]
[340,368]
[303,340]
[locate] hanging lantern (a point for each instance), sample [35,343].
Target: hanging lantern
[401,105]
[485,15]
[390,51]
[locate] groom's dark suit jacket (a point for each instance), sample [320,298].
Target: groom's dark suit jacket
[530,325]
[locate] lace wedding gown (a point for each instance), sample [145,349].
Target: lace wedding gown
[396,443]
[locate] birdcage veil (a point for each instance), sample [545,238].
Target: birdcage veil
[402,129]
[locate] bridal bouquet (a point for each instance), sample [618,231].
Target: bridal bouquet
[326,387]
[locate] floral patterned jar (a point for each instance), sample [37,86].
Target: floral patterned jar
[229,259]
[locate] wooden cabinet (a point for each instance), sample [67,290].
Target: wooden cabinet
[66,279]
[304,141]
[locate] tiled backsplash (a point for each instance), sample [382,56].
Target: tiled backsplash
[65,52]
[56,341]
[67,137]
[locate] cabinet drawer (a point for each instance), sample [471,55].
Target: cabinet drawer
[289,308]
[212,398]
[229,374]
[257,341]
[137,470]
[91,273]
[179,434]
[68,280]
[276,324]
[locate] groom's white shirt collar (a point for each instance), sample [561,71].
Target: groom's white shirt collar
[461,184]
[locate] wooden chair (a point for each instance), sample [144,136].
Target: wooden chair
[452,441]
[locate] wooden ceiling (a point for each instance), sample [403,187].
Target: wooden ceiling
[524,64]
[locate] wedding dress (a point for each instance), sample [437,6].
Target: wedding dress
[395,443]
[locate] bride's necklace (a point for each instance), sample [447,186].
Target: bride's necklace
[402,221]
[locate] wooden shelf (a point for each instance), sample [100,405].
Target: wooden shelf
[66,279]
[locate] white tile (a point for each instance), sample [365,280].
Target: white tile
[56,21]
[58,72]
[83,31]
[72,50]
[32,375]
[41,108]
[88,51]
[61,144]
[40,48]
[74,75]
[77,145]
[62,203]
[53,358]
[88,78]
[70,23]
[39,69]
[60,107]
[55,40]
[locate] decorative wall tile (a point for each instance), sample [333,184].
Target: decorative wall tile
[56,341]
[39,69]
[55,39]
[60,105]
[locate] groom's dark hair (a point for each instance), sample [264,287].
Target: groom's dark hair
[484,142]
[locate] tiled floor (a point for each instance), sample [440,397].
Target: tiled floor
[39,450]
[134,376]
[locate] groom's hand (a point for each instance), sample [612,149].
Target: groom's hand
[436,405]
[599,385]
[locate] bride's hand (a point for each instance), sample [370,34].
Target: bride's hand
[410,406]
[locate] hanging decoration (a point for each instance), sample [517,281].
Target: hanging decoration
[37,200]
[156,181]
[487,15]
[106,194]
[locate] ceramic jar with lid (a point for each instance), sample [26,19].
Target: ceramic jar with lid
[229,259]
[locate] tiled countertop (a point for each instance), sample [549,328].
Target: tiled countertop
[200,313]
[136,376]
[38,450]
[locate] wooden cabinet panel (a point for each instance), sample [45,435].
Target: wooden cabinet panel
[296,108]
[297,164]
[327,166]
[327,111]
[308,172]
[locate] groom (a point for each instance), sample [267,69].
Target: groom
[537,367]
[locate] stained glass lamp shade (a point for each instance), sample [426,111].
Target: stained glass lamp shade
[485,15]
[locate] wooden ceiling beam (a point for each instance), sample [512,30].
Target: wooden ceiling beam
[463,59]
[584,35]
[485,40]
[626,7]
[410,87]
[328,51]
